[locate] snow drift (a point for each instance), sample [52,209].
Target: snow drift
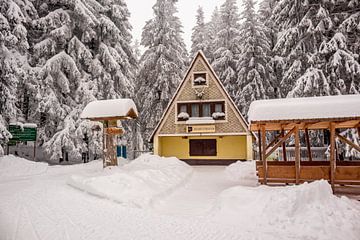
[307,211]
[243,173]
[14,167]
[138,183]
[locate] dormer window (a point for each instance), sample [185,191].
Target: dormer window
[200,79]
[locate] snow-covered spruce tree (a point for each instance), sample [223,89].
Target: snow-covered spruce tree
[83,53]
[253,75]
[212,29]
[341,47]
[298,45]
[14,81]
[275,64]
[199,37]
[226,46]
[162,65]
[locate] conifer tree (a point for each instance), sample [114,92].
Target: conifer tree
[15,16]
[83,53]
[162,65]
[212,28]
[253,75]
[226,46]
[199,35]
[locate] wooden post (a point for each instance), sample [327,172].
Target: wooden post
[308,144]
[297,154]
[332,155]
[259,136]
[283,146]
[263,152]
[105,124]
[34,150]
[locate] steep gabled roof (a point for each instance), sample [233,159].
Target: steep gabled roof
[199,54]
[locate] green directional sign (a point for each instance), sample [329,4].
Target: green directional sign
[20,134]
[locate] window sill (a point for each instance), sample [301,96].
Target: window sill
[200,120]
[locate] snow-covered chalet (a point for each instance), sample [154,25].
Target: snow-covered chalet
[201,124]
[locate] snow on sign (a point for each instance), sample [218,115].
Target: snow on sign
[110,109]
[305,108]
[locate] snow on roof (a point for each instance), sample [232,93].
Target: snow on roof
[122,108]
[344,106]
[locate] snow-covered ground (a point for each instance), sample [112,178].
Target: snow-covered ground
[186,203]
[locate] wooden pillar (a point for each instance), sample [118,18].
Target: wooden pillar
[297,155]
[259,136]
[34,153]
[283,146]
[332,155]
[263,152]
[308,144]
[105,125]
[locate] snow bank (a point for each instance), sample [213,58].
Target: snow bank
[305,108]
[137,184]
[243,173]
[13,167]
[307,211]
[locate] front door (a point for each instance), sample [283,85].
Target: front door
[202,147]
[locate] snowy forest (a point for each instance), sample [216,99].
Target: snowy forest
[58,55]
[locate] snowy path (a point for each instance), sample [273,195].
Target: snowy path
[45,207]
[197,197]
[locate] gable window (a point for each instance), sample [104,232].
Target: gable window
[215,110]
[199,79]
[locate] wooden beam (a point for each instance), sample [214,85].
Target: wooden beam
[273,141]
[284,146]
[297,155]
[332,155]
[280,142]
[260,152]
[312,124]
[347,141]
[263,157]
[347,124]
[308,144]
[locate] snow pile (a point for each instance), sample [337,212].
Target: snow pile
[307,211]
[305,108]
[137,184]
[13,167]
[110,108]
[243,173]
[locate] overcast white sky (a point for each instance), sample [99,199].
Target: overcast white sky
[141,11]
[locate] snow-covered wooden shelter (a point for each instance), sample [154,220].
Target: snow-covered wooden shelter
[290,116]
[109,112]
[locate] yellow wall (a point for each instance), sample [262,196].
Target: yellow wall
[228,147]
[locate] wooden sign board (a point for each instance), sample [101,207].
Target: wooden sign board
[201,129]
[114,131]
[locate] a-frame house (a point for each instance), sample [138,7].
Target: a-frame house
[201,124]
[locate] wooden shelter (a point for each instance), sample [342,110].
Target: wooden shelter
[109,112]
[288,117]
